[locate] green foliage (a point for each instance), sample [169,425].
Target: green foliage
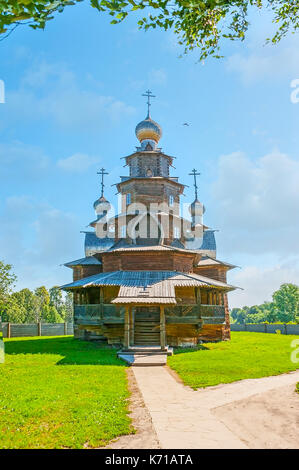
[246,356]
[283,309]
[286,300]
[25,306]
[13,312]
[56,297]
[49,314]
[197,24]
[7,280]
[61,393]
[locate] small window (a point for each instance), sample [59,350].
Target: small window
[171,200]
[177,232]
[128,198]
[123,231]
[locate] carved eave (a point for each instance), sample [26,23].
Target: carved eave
[156,153]
[209,262]
[151,178]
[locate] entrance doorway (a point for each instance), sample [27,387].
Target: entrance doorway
[147,326]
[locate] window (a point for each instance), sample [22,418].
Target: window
[171,200]
[177,232]
[123,231]
[128,198]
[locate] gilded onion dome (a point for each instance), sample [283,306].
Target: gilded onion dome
[148,130]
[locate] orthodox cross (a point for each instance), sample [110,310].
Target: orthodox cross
[195,173]
[102,172]
[149,95]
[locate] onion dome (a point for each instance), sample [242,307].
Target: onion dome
[197,209]
[148,130]
[101,206]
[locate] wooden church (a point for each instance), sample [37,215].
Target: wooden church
[150,277]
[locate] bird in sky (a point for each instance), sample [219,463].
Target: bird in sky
[185,124]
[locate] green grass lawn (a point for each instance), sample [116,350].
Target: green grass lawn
[247,355]
[57,392]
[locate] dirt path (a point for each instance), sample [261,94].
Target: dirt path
[238,415]
[269,420]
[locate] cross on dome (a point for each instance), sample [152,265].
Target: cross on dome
[195,173]
[149,95]
[102,172]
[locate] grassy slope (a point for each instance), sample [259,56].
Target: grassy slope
[58,392]
[247,355]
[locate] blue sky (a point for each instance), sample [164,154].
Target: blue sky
[73,99]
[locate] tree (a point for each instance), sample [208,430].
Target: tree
[42,299]
[286,300]
[68,305]
[13,312]
[49,314]
[7,280]
[26,299]
[239,315]
[56,297]
[197,24]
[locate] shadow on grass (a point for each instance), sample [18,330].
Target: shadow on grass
[76,352]
[199,347]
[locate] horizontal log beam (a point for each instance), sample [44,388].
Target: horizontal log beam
[188,320]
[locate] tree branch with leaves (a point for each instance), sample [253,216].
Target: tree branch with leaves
[201,25]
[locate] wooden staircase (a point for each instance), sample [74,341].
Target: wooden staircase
[147,327]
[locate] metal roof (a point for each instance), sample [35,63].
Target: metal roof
[146,279]
[208,261]
[151,248]
[94,244]
[87,261]
[161,293]
[208,242]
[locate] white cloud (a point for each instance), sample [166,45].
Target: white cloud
[157,76]
[256,203]
[268,62]
[255,206]
[51,91]
[36,239]
[77,163]
[154,77]
[23,160]
[260,283]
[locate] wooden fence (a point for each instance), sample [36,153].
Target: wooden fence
[16,330]
[285,328]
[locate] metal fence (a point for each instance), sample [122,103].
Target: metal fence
[18,330]
[285,328]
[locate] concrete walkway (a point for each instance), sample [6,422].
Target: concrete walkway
[184,419]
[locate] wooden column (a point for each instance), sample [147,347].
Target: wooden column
[131,322]
[162,328]
[127,328]
[101,301]
[198,300]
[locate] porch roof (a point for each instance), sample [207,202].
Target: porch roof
[160,293]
